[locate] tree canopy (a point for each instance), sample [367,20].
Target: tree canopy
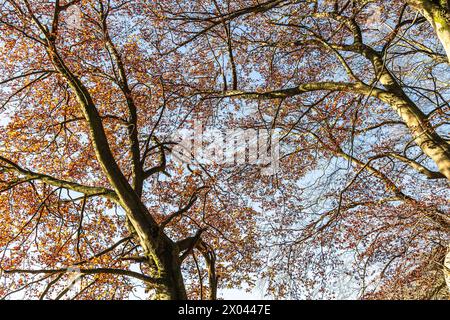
[98,202]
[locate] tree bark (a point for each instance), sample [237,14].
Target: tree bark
[431,143]
[437,14]
[161,251]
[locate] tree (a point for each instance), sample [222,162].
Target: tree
[437,14]
[81,144]
[341,82]
[356,93]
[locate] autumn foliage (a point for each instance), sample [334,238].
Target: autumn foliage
[95,204]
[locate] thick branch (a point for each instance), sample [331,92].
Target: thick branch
[122,272]
[87,190]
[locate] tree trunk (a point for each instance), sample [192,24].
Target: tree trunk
[172,284]
[431,143]
[438,16]
[160,250]
[424,135]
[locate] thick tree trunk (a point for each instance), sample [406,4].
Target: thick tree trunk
[431,143]
[438,15]
[171,286]
[424,135]
[161,251]
[163,255]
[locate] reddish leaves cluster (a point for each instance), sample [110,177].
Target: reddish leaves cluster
[358,207]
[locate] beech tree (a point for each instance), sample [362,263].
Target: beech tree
[83,106]
[92,192]
[437,14]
